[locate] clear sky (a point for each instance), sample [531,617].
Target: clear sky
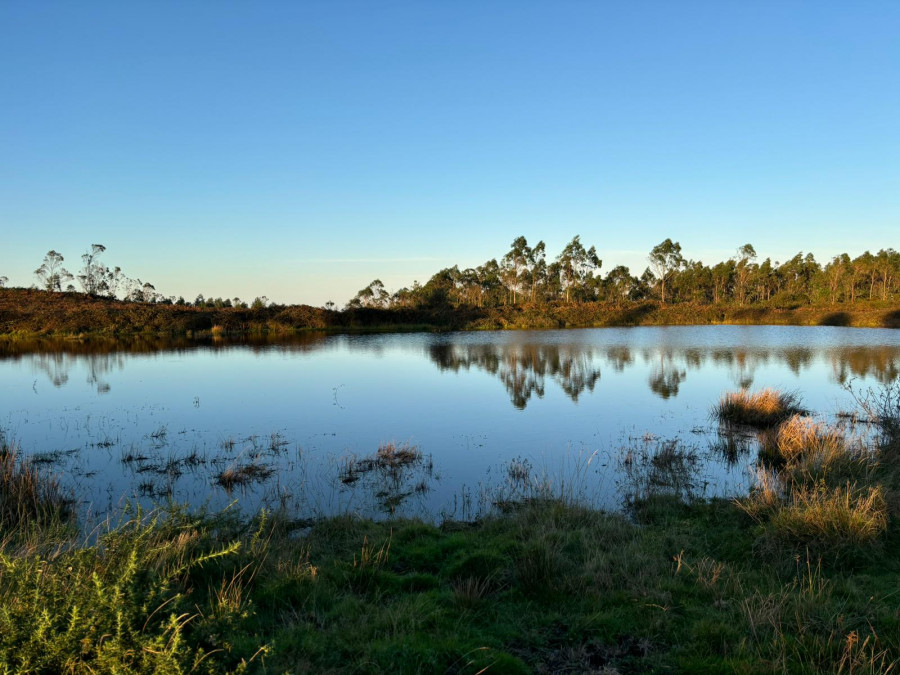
[301,149]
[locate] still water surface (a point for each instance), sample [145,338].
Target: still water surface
[491,413]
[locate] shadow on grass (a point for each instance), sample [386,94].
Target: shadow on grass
[891,319]
[632,316]
[836,319]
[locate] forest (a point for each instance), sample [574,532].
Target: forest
[525,275]
[523,288]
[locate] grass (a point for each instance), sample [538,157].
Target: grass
[551,586]
[822,492]
[28,497]
[241,475]
[764,409]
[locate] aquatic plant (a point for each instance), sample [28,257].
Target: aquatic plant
[763,409]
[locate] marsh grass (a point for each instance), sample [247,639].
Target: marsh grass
[763,409]
[679,585]
[28,496]
[805,451]
[394,474]
[243,474]
[654,468]
[818,489]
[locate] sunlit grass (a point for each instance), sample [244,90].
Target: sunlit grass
[678,584]
[762,409]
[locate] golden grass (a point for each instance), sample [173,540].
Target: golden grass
[844,517]
[765,408]
[806,451]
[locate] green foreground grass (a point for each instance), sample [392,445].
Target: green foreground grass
[801,576]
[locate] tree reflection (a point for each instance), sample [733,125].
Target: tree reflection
[524,368]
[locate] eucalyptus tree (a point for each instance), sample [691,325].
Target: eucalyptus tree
[867,267]
[514,266]
[836,272]
[694,283]
[576,265]
[665,260]
[764,280]
[373,295]
[887,264]
[619,284]
[470,286]
[797,274]
[722,279]
[92,275]
[537,268]
[51,274]
[490,282]
[3,281]
[743,269]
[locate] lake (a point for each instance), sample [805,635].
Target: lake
[464,420]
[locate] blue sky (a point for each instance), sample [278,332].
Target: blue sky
[301,149]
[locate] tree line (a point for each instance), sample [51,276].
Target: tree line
[524,275]
[97,279]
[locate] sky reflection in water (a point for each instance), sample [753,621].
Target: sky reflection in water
[488,412]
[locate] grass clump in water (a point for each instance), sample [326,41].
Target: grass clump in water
[241,475]
[28,497]
[763,409]
[805,451]
[820,491]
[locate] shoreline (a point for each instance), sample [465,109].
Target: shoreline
[29,314]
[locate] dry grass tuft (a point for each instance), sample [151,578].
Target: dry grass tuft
[763,409]
[842,517]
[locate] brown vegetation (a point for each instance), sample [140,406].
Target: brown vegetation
[763,409]
[29,313]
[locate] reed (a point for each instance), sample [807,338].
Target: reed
[27,495]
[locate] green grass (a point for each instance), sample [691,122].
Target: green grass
[547,586]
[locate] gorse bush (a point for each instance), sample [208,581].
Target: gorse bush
[135,601]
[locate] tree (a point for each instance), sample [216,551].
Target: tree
[537,268]
[114,280]
[51,274]
[373,295]
[514,264]
[665,259]
[620,283]
[576,264]
[3,281]
[141,291]
[835,273]
[722,275]
[92,274]
[743,268]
